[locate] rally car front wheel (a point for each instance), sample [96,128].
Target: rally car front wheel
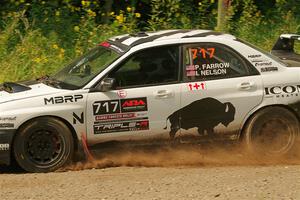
[272,131]
[43,145]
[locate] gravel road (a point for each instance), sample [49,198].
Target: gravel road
[169,174]
[243,182]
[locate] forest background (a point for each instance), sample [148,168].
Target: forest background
[38,37]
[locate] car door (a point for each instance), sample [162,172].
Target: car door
[220,88]
[147,91]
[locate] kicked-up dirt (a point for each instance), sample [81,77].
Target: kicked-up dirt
[161,173]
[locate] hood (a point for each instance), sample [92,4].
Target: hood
[13,87]
[15,91]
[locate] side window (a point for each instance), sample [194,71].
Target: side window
[213,61]
[151,66]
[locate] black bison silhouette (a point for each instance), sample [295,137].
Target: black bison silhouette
[204,113]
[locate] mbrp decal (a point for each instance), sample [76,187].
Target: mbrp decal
[205,114]
[63,99]
[7,125]
[4,147]
[282,91]
[121,126]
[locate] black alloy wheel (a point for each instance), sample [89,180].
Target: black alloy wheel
[273,131]
[43,145]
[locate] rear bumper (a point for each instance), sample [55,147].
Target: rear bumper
[6,137]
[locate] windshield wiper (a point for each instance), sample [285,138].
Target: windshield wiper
[48,80]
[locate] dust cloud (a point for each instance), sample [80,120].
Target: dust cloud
[180,155]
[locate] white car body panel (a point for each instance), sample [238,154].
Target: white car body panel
[18,108]
[159,107]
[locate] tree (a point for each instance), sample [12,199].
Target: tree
[223,6]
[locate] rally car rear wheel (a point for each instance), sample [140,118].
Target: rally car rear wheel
[43,145]
[272,131]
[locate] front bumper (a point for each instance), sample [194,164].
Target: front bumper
[6,138]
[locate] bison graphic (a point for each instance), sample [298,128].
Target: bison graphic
[204,114]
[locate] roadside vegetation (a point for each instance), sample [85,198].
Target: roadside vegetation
[38,37]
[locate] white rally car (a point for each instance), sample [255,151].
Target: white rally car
[165,85]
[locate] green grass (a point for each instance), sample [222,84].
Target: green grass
[28,51]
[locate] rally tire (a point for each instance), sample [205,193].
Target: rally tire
[271,132]
[43,145]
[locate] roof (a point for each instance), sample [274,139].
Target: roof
[130,40]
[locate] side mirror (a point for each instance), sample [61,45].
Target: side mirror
[107,84]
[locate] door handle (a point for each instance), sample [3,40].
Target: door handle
[163,94]
[246,85]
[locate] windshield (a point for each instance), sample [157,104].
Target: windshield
[263,52]
[85,68]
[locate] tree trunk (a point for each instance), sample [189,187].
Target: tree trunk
[223,6]
[107,10]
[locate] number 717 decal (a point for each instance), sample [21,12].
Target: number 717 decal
[202,52]
[120,106]
[106,107]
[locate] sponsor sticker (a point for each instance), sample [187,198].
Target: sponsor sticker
[262,64]
[63,99]
[134,105]
[78,118]
[282,91]
[8,118]
[115,116]
[122,93]
[257,61]
[4,147]
[6,125]
[254,56]
[121,126]
[196,86]
[269,69]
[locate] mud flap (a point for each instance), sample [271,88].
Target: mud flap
[85,148]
